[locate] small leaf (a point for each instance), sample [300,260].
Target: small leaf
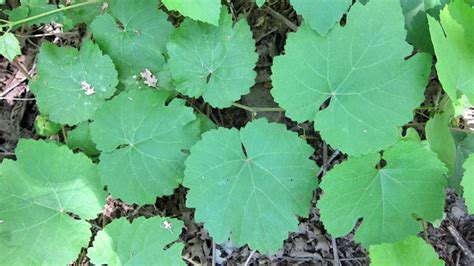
[134,34]
[143,142]
[9,46]
[85,14]
[46,128]
[37,194]
[411,182]
[260,3]
[411,251]
[203,10]
[80,138]
[242,182]
[321,15]
[468,183]
[357,67]
[214,62]
[464,147]
[440,139]
[62,75]
[452,40]
[143,242]
[30,8]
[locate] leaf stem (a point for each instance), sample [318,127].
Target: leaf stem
[258,109]
[12,24]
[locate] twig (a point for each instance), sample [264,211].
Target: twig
[461,243]
[213,253]
[335,252]
[249,258]
[258,109]
[279,16]
[17,99]
[324,167]
[190,261]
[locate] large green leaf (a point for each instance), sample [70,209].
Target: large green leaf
[468,183]
[38,194]
[416,21]
[72,84]
[440,138]
[143,242]
[250,186]
[144,143]
[452,40]
[411,182]
[9,46]
[203,10]
[361,69]
[134,34]
[321,15]
[214,62]
[411,251]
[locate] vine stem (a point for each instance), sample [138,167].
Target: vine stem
[12,24]
[258,109]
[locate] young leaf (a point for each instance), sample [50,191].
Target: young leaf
[46,128]
[357,67]
[242,182]
[72,84]
[416,21]
[37,194]
[452,40]
[468,183]
[411,182]
[260,3]
[134,34]
[214,62]
[143,142]
[440,138]
[80,138]
[203,10]
[411,251]
[9,46]
[321,15]
[143,242]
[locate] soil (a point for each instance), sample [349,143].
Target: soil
[311,245]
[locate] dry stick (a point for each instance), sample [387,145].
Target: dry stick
[279,16]
[335,252]
[249,258]
[324,167]
[190,261]
[258,109]
[461,243]
[213,253]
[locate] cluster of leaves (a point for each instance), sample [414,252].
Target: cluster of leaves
[359,83]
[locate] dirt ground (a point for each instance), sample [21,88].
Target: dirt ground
[311,245]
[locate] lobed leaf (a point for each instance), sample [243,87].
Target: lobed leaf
[143,242]
[411,183]
[240,182]
[39,193]
[72,84]
[361,69]
[213,62]
[143,142]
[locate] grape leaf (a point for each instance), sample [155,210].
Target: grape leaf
[72,84]
[134,34]
[468,183]
[214,62]
[416,21]
[242,182]
[321,15]
[142,242]
[357,67]
[411,182]
[452,40]
[143,142]
[411,251]
[9,46]
[203,10]
[80,138]
[37,193]
[440,139]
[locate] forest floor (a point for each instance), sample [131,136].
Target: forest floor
[311,245]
